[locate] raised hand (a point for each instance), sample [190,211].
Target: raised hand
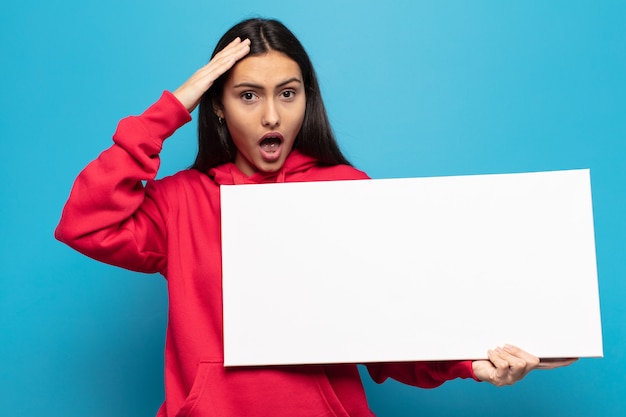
[510,364]
[190,92]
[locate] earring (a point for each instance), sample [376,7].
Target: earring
[220,120]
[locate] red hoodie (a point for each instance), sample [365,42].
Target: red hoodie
[172,226]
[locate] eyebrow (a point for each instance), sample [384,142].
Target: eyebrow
[257,86]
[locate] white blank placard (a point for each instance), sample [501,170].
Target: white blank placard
[409,269]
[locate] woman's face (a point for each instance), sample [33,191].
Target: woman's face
[263,104]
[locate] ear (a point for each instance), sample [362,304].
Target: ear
[218,109]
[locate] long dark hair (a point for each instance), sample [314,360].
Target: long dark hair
[316,138]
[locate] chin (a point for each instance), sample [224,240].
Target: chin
[270,167]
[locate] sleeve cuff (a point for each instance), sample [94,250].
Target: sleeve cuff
[165,116]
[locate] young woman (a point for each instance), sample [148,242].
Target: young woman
[261,119]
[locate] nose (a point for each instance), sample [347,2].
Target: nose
[271,117]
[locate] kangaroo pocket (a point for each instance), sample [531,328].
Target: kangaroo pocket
[255,392]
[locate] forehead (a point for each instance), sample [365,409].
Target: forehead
[269,68]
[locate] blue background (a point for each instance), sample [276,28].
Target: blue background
[413,88]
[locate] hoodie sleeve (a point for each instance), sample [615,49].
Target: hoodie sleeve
[421,374]
[110,215]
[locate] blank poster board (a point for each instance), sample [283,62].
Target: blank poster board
[409,269]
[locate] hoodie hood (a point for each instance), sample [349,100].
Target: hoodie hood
[229,174]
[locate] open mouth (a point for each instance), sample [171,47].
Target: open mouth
[271,144]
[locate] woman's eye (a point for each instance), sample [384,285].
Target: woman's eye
[288,94]
[248,96]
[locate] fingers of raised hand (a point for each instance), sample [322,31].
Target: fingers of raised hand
[225,59]
[236,49]
[190,92]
